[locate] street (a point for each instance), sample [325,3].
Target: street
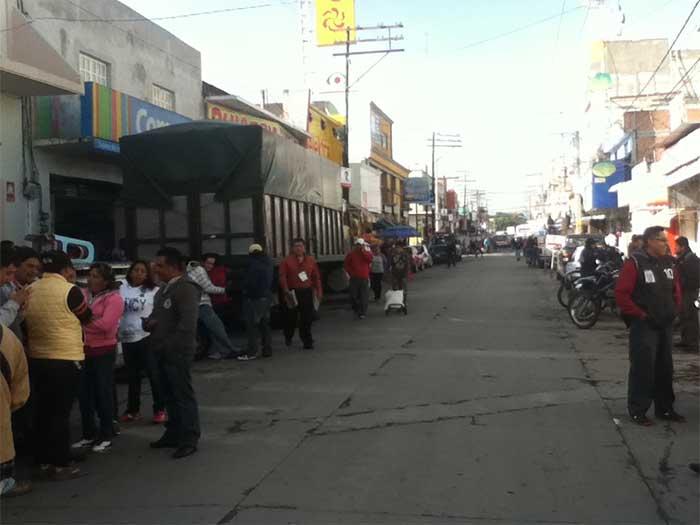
[483,405]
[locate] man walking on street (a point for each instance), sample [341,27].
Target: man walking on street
[300,283]
[400,264]
[357,266]
[688,267]
[173,327]
[256,289]
[648,295]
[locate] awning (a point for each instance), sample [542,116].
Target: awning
[684,173]
[399,232]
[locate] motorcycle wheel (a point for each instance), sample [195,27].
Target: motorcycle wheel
[563,295]
[584,309]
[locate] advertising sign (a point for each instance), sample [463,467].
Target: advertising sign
[602,197]
[333,17]
[102,114]
[346,177]
[217,112]
[418,190]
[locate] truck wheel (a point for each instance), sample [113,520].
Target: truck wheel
[336,280]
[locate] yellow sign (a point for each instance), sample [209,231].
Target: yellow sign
[216,112]
[333,18]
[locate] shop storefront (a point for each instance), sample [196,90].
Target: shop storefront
[76,152]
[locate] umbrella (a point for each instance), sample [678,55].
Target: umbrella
[399,232]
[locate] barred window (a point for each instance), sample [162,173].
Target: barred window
[163,98]
[93,70]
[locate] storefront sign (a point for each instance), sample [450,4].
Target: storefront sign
[217,112]
[602,197]
[102,114]
[333,17]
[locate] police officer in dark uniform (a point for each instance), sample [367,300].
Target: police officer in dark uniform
[648,295]
[688,267]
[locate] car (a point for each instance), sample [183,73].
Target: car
[501,241]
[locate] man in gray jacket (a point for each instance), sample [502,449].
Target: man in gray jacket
[173,327]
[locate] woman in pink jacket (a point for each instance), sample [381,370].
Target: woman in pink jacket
[100,351]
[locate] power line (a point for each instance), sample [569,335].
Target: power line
[519,29]
[668,52]
[142,19]
[370,68]
[680,80]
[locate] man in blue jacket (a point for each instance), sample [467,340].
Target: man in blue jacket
[257,290]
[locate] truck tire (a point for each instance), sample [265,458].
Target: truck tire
[336,279]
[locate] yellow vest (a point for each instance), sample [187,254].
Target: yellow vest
[53,331]
[14,394]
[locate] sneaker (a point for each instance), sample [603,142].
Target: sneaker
[19,488]
[116,429]
[160,417]
[102,445]
[215,356]
[246,357]
[83,443]
[642,420]
[129,417]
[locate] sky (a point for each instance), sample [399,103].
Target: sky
[509,97]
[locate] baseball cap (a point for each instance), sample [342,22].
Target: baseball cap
[255,248]
[360,241]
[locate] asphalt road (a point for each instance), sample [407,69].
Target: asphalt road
[483,405]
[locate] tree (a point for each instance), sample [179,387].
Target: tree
[503,220]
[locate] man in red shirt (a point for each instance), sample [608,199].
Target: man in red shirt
[649,296]
[357,266]
[300,282]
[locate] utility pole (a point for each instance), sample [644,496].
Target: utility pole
[465,181]
[347,54]
[440,140]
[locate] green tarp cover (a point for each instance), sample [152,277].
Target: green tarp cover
[229,160]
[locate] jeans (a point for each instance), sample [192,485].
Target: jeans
[138,357]
[257,321]
[96,395]
[359,295]
[376,284]
[303,315]
[651,368]
[689,319]
[219,341]
[182,427]
[54,383]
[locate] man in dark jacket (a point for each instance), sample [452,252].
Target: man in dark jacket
[589,257]
[648,295]
[256,290]
[173,327]
[688,266]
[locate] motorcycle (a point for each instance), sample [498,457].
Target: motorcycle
[566,286]
[593,294]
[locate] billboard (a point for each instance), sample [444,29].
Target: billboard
[418,190]
[218,112]
[601,196]
[333,17]
[102,114]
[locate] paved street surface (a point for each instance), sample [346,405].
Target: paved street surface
[483,405]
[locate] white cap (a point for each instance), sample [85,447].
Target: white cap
[360,241]
[255,248]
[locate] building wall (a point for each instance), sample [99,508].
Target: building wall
[649,127]
[13,215]
[139,54]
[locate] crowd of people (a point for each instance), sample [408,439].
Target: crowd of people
[59,342]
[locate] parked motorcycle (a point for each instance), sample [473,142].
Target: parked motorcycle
[593,294]
[566,286]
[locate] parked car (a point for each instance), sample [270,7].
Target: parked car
[501,241]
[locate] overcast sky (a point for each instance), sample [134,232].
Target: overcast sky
[507,97]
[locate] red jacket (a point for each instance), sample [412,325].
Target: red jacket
[358,263]
[626,284]
[218,278]
[289,272]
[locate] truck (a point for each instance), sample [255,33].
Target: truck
[213,186]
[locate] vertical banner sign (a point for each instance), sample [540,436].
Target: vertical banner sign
[345,177]
[333,17]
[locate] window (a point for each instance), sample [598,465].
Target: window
[93,70]
[163,98]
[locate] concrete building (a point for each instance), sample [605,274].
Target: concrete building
[29,66]
[135,76]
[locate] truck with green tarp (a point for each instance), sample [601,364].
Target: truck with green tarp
[212,186]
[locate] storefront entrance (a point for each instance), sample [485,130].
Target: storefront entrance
[85,209]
